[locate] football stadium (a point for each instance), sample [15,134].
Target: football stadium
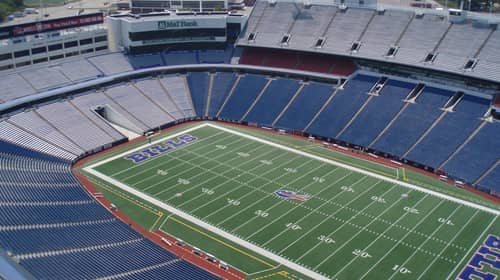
[239,139]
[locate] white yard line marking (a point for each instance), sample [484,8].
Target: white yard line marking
[344,223]
[231,168]
[423,243]
[161,163]
[211,178]
[363,229]
[331,215]
[228,178]
[242,184]
[447,245]
[381,235]
[364,172]
[474,246]
[240,241]
[292,208]
[258,189]
[403,238]
[315,210]
[274,205]
[159,156]
[193,166]
[209,227]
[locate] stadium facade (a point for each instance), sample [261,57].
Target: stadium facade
[39,42]
[175,30]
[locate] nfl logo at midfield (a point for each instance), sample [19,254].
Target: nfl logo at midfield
[285,194]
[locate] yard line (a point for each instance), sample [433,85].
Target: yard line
[479,239]
[294,207]
[276,204]
[346,222]
[401,239]
[209,227]
[228,178]
[246,171]
[362,171]
[331,215]
[259,200]
[202,183]
[362,230]
[209,170]
[193,166]
[161,155]
[104,161]
[202,147]
[197,220]
[280,184]
[447,245]
[259,188]
[429,238]
[384,232]
[315,210]
[231,179]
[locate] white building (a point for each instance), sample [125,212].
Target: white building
[156,32]
[42,41]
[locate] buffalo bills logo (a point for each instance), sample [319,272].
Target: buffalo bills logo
[485,263]
[161,148]
[291,195]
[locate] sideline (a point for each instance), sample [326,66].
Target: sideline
[358,170]
[238,240]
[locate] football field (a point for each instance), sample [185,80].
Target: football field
[323,216]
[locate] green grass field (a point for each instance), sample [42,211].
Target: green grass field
[350,226]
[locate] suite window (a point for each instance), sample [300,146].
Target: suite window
[5,56]
[22,53]
[39,50]
[55,47]
[85,42]
[101,39]
[101,48]
[44,59]
[71,44]
[55,57]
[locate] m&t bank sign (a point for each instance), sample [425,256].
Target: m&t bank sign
[176,24]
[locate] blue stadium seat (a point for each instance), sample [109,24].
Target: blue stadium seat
[477,155]
[57,231]
[413,122]
[180,270]
[223,82]
[450,132]
[212,56]
[149,60]
[243,96]
[180,57]
[305,106]
[343,106]
[377,114]
[273,101]
[490,182]
[198,85]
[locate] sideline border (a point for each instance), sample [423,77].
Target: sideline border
[244,243]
